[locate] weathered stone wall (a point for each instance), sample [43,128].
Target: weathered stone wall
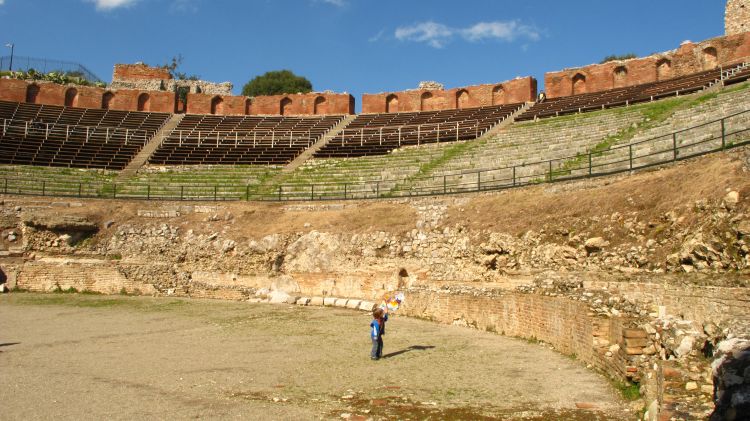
[689,58]
[314,103]
[147,78]
[508,92]
[737,17]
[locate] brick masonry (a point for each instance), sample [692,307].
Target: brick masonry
[509,92]
[689,58]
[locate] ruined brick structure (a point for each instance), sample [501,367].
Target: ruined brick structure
[737,18]
[509,92]
[690,58]
[141,76]
[314,103]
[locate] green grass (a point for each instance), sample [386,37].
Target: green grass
[628,391]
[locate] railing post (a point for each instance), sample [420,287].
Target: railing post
[80,188]
[589,164]
[674,146]
[279,193]
[182,193]
[247,193]
[44,187]
[514,176]
[148,191]
[399,137]
[312,191]
[437,133]
[479,180]
[457,129]
[377,188]
[114,190]
[550,171]
[216,190]
[344,191]
[445,185]
[6,186]
[723,133]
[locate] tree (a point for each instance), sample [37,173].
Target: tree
[617,58]
[276,83]
[175,64]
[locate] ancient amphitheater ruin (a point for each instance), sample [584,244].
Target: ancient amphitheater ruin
[609,222]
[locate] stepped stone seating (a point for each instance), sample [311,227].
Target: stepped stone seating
[57,136]
[38,180]
[232,140]
[378,134]
[692,131]
[621,96]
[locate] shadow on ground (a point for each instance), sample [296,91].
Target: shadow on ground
[409,349]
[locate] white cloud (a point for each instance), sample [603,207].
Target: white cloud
[434,34]
[337,3]
[2,2]
[185,6]
[106,5]
[437,35]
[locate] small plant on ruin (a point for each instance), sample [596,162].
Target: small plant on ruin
[615,57]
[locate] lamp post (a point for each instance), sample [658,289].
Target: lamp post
[12,48]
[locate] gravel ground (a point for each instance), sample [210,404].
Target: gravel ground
[70,356]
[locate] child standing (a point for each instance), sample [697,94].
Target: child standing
[377,330]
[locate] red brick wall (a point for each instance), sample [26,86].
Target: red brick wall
[688,59]
[304,104]
[139,71]
[13,90]
[509,92]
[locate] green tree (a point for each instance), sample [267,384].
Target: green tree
[276,83]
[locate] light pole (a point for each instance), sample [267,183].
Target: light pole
[12,48]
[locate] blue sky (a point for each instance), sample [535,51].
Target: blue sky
[355,46]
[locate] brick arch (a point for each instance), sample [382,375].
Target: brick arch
[425,101]
[462,99]
[248,106]
[663,69]
[107,99]
[284,105]
[320,106]
[710,58]
[217,105]
[578,82]
[391,103]
[71,97]
[32,92]
[498,95]
[144,102]
[620,77]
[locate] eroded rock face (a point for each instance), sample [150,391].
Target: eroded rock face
[313,252]
[59,223]
[731,372]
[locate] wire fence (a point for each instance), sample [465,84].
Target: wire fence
[725,133]
[43,65]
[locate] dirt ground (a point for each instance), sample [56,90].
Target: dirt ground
[76,356]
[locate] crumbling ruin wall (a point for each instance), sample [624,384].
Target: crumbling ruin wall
[688,59]
[425,99]
[146,78]
[737,17]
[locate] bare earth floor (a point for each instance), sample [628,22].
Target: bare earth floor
[76,356]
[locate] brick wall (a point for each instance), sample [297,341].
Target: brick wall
[139,71]
[303,104]
[83,275]
[737,18]
[509,92]
[689,58]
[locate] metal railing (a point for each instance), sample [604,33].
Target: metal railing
[43,65]
[25,128]
[728,132]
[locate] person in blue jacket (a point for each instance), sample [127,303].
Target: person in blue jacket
[377,330]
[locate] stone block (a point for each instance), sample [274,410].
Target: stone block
[366,306]
[634,333]
[316,301]
[329,301]
[353,304]
[341,302]
[637,342]
[303,301]
[634,351]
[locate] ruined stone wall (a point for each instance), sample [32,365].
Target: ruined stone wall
[508,92]
[147,78]
[688,59]
[737,17]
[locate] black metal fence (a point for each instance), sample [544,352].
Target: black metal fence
[43,65]
[728,132]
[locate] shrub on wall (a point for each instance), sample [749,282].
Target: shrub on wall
[63,78]
[277,83]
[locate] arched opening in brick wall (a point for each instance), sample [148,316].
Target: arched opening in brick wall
[425,102]
[391,104]
[579,84]
[663,69]
[620,77]
[462,99]
[285,106]
[71,97]
[710,58]
[32,92]
[144,102]
[498,95]
[217,105]
[320,106]
[107,100]
[248,106]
